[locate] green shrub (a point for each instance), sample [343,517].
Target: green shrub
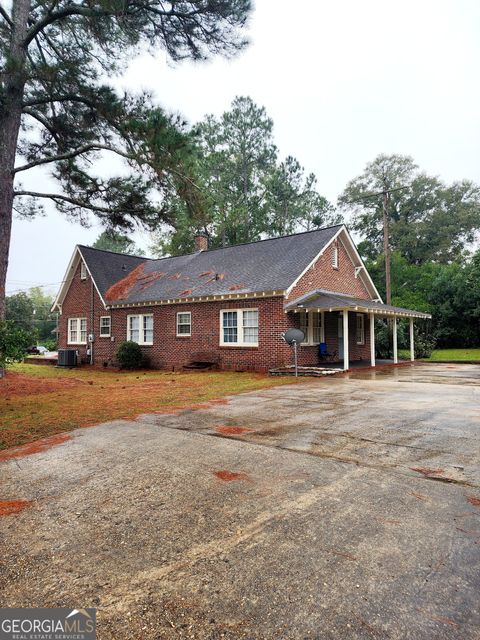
[130,356]
[50,344]
[14,343]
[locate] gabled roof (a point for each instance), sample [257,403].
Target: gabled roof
[266,265]
[323,300]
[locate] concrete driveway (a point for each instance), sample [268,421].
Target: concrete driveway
[345,507]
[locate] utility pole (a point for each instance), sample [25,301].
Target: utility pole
[386,244]
[386,247]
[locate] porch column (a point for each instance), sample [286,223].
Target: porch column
[346,360]
[372,339]
[412,345]
[395,344]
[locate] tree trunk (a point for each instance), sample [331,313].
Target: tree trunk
[10,119]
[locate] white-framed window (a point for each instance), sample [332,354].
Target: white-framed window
[335,257]
[239,327]
[77,331]
[184,324]
[312,325]
[105,326]
[83,271]
[140,328]
[360,328]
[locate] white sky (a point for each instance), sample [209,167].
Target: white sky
[343,82]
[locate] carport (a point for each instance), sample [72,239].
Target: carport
[324,302]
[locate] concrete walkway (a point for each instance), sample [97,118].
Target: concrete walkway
[337,508]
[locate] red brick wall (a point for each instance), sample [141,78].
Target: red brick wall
[322,275]
[170,351]
[308,355]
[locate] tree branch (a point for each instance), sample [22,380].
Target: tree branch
[73,10]
[6,17]
[73,154]
[43,121]
[57,196]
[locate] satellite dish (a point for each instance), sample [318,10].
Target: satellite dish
[294,336]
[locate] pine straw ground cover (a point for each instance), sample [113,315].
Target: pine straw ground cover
[41,401]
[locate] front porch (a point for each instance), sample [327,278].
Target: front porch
[340,330]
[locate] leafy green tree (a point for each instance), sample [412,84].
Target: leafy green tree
[44,320]
[293,202]
[31,312]
[14,342]
[243,193]
[111,240]
[19,310]
[428,220]
[57,110]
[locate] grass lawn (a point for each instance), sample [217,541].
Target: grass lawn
[37,401]
[455,354]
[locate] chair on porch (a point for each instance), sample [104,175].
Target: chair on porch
[324,354]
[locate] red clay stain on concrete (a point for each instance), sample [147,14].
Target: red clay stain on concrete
[229,476]
[428,472]
[436,618]
[33,447]
[419,496]
[121,289]
[474,501]
[9,507]
[232,431]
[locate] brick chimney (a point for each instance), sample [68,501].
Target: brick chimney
[201,241]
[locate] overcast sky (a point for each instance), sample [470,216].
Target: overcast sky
[343,82]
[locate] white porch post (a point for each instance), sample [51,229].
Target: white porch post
[346,362]
[372,339]
[395,344]
[412,345]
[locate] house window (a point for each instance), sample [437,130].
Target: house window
[105,326]
[140,328]
[360,328]
[77,331]
[335,257]
[311,324]
[239,327]
[83,271]
[184,324]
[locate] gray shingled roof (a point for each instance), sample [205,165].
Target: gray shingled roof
[267,265]
[320,299]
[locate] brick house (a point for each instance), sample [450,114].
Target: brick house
[229,306]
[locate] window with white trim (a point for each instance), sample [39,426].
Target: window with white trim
[77,331]
[140,328]
[335,257]
[312,325]
[239,327]
[360,328]
[83,271]
[184,324]
[105,326]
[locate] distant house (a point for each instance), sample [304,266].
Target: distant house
[229,306]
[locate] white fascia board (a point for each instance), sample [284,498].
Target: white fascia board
[364,273]
[67,279]
[309,266]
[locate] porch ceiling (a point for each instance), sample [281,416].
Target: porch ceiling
[322,300]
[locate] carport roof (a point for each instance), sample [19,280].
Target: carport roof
[323,300]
